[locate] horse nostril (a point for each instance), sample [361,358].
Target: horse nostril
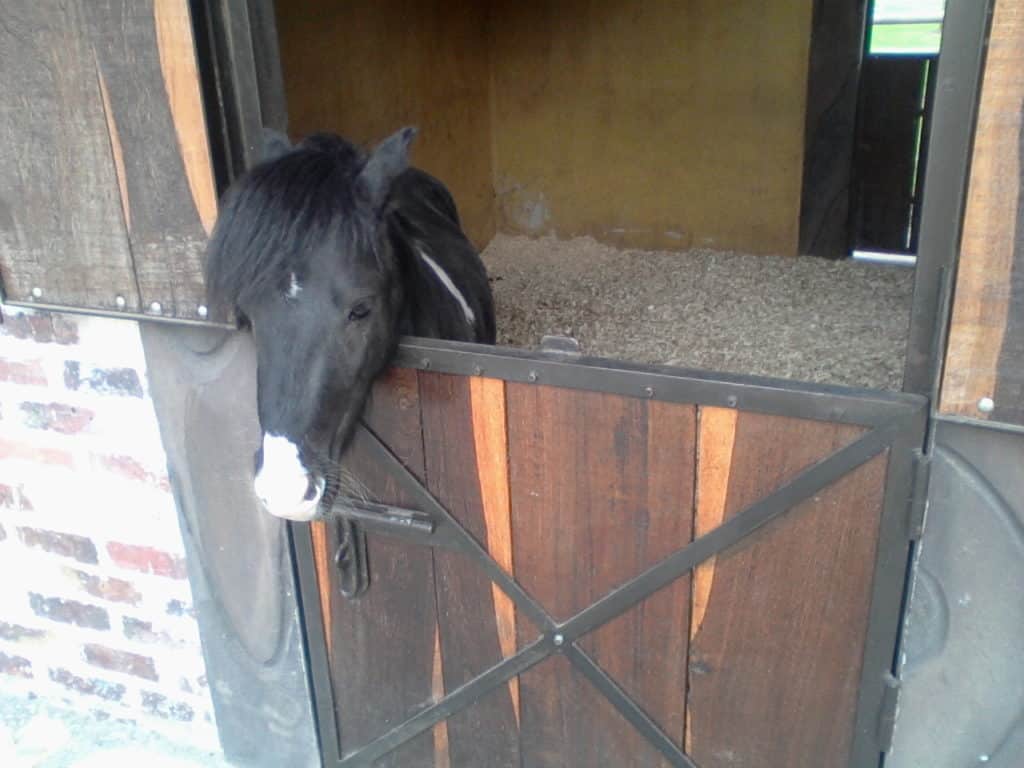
[314,489]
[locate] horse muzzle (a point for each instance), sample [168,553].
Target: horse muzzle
[284,487]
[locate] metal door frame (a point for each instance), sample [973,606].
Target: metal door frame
[894,422]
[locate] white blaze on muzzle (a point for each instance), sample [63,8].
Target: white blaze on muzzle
[283,484]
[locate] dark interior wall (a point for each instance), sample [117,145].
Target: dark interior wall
[650,124]
[365,68]
[833,81]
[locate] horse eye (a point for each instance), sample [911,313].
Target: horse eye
[358,312]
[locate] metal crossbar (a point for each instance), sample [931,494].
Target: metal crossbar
[561,637]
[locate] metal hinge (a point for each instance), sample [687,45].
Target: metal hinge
[887,712]
[917,504]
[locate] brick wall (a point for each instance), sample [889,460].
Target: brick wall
[95,605]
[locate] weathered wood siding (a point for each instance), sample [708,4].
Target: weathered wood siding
[106,187]
[985,355]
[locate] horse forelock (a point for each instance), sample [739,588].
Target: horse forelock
[280,213]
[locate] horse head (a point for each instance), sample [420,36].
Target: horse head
[300,251]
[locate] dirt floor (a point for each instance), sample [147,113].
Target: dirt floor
[809,319]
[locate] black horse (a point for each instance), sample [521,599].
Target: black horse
[330,254]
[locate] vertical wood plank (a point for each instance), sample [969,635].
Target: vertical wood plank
[146,57]
[775,657]
[490,439]
[487,732]
[382,645]
[601,489]
[985,353]
[62,227]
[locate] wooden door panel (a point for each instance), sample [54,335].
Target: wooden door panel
[754,660]
[780,621]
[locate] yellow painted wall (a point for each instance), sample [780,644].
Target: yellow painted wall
[667,124]
[364,68]
[656,124]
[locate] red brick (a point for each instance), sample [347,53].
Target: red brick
[17,372]
[147,560]
[69,611]
[111,381]
[42,327]
[10,449]
[112,589]
[121,661]
[160,705]
[16,634]
[88,686]
[130,468]
[57,417]
[15,666]
[63,544]
[142,631]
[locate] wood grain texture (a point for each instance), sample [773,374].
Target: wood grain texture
[146,57]
[322,562]
[181,81]
[985,353]
[383,643]
[602,487]
[486,733]
[775,662]
[62,226]
[490,439]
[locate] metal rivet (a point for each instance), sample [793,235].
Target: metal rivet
[425,362]
[731,401]
[532,376]
[477,370]
[558,640]
[649,391]
[986,405]
[202,311]
[120,302]
[155,308]
[37,293]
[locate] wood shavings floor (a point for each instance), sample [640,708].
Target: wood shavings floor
[808,319]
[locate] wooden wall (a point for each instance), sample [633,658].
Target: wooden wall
[652,124]
[985,354]
[754,660]
[106,187]
[364,68]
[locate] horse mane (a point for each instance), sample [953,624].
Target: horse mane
[278,213]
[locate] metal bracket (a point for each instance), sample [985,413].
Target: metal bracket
[917,504]
[350,559]
[561,346]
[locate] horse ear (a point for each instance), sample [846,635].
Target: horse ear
[275,144]
[388,160]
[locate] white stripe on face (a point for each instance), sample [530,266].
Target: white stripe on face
[282,481]
[447,282]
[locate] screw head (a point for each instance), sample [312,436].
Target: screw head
[649,391]
[120,302]
[202,311]
[986,405]
[558,640]
[37,293]
[532,376]
[155,308]
[731,401]
[425,362]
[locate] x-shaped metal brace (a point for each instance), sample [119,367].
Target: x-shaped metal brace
[436,526]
